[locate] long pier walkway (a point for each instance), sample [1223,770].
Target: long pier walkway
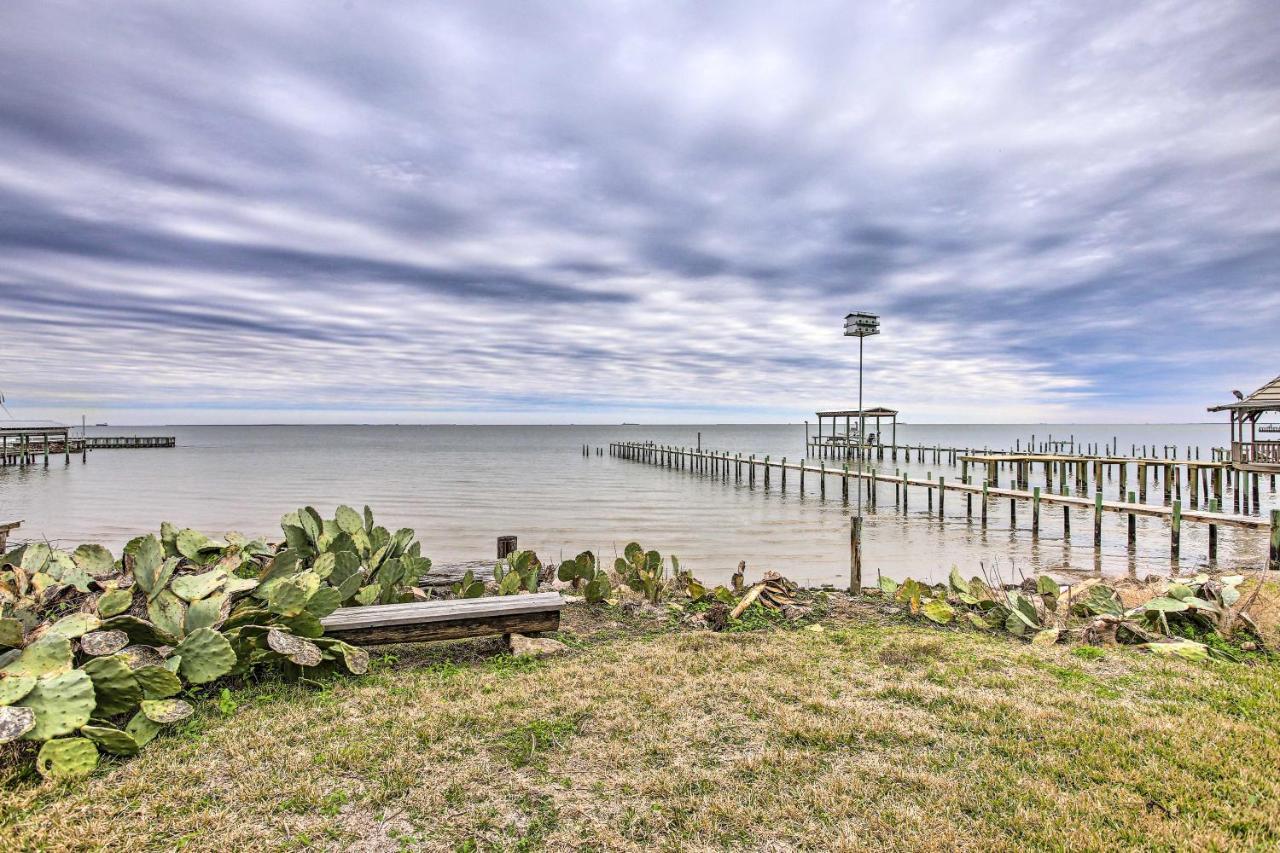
[756,470]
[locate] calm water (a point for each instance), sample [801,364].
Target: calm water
[460,487]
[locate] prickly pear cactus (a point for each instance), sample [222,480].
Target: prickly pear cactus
[206,655]
[49,655]
[116,689]
[157,682]
[296,649]
[14,687]
[113,602]
[15,722]
[165,711]
[67,758]
[111,740]
[99,643]
[62,703]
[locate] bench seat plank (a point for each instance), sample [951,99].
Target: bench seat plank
[424,621]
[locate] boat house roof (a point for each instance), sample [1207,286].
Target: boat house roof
[878,412]
[1266,398]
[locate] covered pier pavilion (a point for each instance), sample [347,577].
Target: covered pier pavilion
[846,443]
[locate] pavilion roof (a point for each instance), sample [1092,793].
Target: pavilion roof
[879,411]
[1266,398]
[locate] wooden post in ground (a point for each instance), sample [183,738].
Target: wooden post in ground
[1257,507]
[1274,561]
[855,555]
[1175,530]
[904,491]
[942,497]
[985,485]
[766,473]
[1213,532]
[783,473]
[1035,511]
[1097,520]
[822,478]
[803,468]
[968,501]
[1142,482]
[1133,526]
[844,483]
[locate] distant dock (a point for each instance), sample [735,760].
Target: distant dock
[34,443]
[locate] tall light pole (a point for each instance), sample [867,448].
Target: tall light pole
[859,325]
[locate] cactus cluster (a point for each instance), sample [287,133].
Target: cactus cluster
[94,650]
[644,571]
[1039,609]
[584,574]
[519,572]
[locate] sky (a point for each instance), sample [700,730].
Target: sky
[555,212]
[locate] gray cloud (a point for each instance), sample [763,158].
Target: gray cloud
[558,211]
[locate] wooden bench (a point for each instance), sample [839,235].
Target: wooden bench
[426,621]
[4,533]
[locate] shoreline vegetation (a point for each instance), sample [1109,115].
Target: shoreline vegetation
[662,715]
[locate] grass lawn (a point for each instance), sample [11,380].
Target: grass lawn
[869,734]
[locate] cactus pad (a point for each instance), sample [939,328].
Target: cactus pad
[288,597]
[49,655]
[62,704]
[14,687]
[208,612]
[324,601]
[94,559]
[157,682]
[349,521]
[11,633]
[67,758]
[150,569]
[356,660]
[236,586]
[167,612]
[99,643]
[141,729]
[140,631]
[164,711]
[111,740]
[114,602]
[305,624]
[298,650]
[195,587]
[140,656]
[15,722]
[75,625]
[114,686]
[206,655]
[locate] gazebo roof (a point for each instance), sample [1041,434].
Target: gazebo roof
[1266,398]
[878,412]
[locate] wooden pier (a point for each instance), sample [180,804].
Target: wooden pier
[756,470]
[36,442]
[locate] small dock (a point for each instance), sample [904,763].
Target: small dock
[129,442]
[722,464]
[24,443]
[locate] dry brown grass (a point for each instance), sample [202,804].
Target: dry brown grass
[857,737]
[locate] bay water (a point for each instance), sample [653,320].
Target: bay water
[460,487]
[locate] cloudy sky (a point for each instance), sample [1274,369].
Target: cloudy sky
[555,212]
